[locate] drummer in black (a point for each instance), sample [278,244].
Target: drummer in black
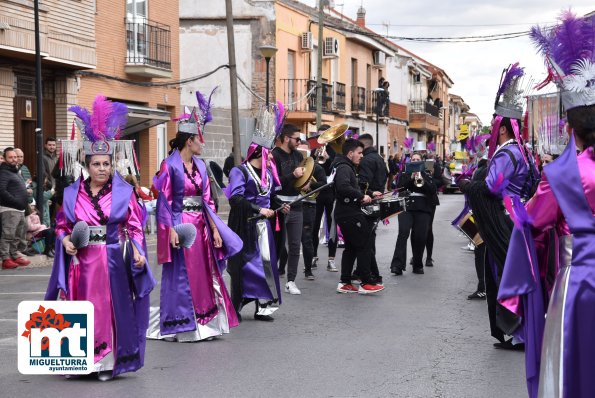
[372,177]
[355,226]
[416,219]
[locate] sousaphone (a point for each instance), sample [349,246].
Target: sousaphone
[334,136]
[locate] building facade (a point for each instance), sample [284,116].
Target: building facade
[123,50]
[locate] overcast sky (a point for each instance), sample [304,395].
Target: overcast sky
[474,67]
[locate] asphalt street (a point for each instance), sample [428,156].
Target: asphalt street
[421,337]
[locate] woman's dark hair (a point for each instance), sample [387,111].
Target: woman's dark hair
[351,145]
[582,121]
[256,154]
[506,122]
[180,141]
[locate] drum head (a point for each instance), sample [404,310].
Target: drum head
[308,165]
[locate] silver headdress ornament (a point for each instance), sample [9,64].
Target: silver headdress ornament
[100,132]
[268,125]
[569,51]
[188,123]
[509,98]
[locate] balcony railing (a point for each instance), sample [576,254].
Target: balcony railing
[338,97]
[358,99]
[333,95]
[327,97]
[424,107]
[377,103]
[148,43]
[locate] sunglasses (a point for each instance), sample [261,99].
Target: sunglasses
[297,139]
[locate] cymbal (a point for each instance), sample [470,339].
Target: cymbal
[308,165]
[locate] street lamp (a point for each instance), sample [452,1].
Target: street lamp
[268,51]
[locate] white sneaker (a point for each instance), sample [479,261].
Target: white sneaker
[331,266]
[291,288]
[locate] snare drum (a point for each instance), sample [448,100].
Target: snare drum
[468,227]
[391,206]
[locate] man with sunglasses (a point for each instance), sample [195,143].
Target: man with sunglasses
[288,158]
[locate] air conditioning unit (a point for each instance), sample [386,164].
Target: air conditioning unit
[379,58]
[331,47]
[307,41]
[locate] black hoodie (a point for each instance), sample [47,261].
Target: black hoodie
[347,191]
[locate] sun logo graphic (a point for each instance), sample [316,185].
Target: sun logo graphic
[55,337]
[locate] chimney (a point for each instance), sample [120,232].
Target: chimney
[361,17]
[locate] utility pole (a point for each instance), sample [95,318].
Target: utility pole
[319,66]
[233,85]
[39,99]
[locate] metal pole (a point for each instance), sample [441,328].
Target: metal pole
[377,94]
[319,66]
[39,99]
[267,95]
[233,84]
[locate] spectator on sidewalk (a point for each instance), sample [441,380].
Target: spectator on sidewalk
[24,172]
[13,202]
[50,156]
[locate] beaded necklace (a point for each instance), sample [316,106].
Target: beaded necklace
[103,219]
[191,177]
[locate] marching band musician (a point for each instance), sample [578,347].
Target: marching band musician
[372,176]
[355,226]
[288,159]
[511,172]
[416,219]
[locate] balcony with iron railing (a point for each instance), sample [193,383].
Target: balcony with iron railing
[424,116]
[358,100]
[295,91]
[377,103]
[148,45]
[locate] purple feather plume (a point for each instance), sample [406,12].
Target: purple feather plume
[279,117]
[204,105]
[102,108]
[117,120]
[432,147]
[82,114]
[512,74]
[408,143]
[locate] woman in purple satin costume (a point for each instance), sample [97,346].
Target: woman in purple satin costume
[254,273]
[195,304]
[96,272]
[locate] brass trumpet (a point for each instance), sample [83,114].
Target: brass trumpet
[418,179]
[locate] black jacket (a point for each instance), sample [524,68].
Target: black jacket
[428,189]
[13,191]
[327,194]
[347,189]
[286,164]
[228,165]
[372,171]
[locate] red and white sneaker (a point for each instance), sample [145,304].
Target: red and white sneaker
[22,261]
[368,289]
[346,288]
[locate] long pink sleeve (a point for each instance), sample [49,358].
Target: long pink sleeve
[134,221]
[543,207]
[163,246]
[206,191]
[63,227]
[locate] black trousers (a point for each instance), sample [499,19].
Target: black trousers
[309,215]
[480,261]
[358,246]
[492,300]
[374,271]
[430,240]
[324,207]
[416,223]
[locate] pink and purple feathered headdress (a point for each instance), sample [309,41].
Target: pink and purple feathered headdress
[194,122]
[569,51]
[509,96]
[101,126]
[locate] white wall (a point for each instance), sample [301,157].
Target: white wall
[205,9]
[202,49]
[397,73]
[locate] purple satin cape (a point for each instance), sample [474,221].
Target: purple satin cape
[129,286]
[176,298]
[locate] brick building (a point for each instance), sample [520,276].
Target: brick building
[122,50]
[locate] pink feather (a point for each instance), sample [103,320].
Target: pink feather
[102,109]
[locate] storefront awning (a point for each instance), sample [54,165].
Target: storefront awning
[141,118]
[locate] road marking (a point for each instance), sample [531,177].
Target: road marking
[15,293]
[8,320]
